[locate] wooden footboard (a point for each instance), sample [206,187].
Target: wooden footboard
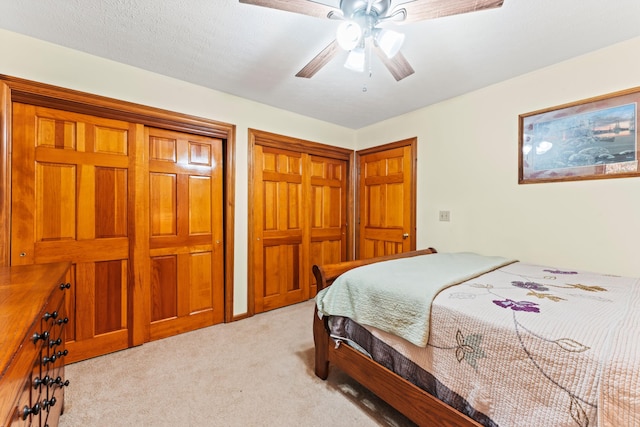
[415,403]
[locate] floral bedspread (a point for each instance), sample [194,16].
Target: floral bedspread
[529,345]
[396,296]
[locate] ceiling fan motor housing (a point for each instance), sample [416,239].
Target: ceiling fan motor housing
[353,8]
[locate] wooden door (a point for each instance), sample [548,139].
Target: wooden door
[280,228]
[299,209]
[71,194]
[186,283]
[386,199]
[328,216]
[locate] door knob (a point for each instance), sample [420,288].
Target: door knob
[405,235]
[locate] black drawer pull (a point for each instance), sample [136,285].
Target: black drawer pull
[61,321]
[62,353]
[64,286]
[46,360]
[43,336]
[26,411]
[46,404]
[60,382]
[48,315]
[44,381]
[53,343]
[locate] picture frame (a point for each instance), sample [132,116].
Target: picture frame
[593,138]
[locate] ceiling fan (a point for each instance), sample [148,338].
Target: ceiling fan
[364,26]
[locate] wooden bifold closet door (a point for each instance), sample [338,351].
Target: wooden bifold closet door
[298,214]
[137,210]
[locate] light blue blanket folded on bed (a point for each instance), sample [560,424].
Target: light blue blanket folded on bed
[395,296]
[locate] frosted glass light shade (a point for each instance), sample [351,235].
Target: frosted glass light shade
[355,60]
[389,41]
[348,35]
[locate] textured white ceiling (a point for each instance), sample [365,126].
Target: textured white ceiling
[254,52]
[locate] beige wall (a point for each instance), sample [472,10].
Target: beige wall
[48,63]
[467,154]
[467,163]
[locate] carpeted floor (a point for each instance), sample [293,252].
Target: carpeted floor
[253,372]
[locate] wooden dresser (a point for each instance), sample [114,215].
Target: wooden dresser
[32,348]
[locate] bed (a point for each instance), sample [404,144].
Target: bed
[506,343]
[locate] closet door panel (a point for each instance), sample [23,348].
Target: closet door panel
[200,276]
[70,204]
[111,218]
[185,232]
[55,202]
[280,250]
[328,221]
[164,271]
[110,283]
[164,216]
[200,218]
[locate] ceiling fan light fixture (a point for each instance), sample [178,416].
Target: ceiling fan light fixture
[349,35]
[389,41]
[356,59]
[361,19]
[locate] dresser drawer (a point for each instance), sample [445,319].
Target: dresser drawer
[32,352]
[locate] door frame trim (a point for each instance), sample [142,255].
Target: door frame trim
[268,139]
[13,89]
[413,144]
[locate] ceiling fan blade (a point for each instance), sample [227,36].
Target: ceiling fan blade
[420,10]
[398,66]
[303,7]
[320,60]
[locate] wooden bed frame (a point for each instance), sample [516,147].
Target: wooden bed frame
[415,403]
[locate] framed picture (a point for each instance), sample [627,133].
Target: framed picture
[589,139]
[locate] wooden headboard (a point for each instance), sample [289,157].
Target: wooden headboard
[326,274]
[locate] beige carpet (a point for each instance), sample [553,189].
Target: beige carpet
[253,372]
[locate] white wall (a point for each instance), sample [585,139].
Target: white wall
[467,154]
[32,59]
[467,163]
